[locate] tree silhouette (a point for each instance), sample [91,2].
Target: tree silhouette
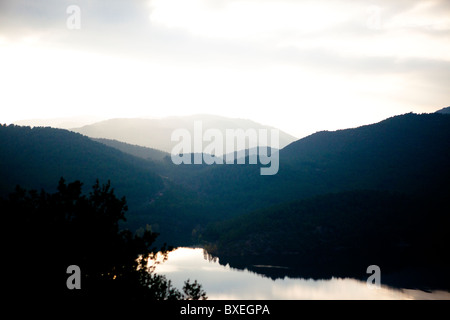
[47,233]
[193,291]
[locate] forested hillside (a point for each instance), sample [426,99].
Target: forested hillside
[37,158]
[365,225]
[407,154]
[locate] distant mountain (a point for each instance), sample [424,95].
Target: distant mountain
[156,133]
[444,110]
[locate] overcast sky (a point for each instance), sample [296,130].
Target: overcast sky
[302,66]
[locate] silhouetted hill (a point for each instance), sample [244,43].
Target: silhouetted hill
[408,153]
[156,133]
[403,153]
[36,158]
[135,150]
[374,193]
[374,224]
[444,110]
[340,235]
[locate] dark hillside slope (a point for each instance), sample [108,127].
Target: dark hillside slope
[135,150]
[445,110]
[37,158]
[340,235]
[373,224]
[408,153]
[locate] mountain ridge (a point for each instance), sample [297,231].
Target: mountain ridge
[399,154]
[445,110]
[156,133]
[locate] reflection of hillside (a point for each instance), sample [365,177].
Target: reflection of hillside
[295,267]
[210,257]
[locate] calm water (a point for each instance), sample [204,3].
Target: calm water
[223,282]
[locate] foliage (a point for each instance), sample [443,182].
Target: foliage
[193,291]
[356,225]
[50,232]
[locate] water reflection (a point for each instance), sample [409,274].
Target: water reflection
[224,282]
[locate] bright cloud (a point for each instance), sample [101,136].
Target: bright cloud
[302,66]
[244,19]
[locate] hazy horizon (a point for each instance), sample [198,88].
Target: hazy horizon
[301,67]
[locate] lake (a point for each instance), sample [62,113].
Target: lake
[224,282]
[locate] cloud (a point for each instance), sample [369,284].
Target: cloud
[232,55]
[236,31]
[244,19]
[19,18]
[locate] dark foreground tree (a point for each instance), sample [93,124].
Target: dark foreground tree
[47,233]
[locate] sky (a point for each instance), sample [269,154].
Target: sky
[301,66]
